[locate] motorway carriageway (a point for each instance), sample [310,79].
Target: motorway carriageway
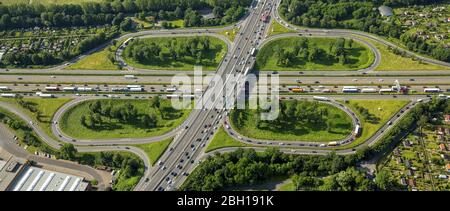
[157,89]
[101,80]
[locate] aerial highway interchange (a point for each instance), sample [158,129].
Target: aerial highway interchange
[189,138]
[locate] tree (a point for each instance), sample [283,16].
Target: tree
[178,12]
[83,120]
[155,102]
[350,43]
[422,122]
[67,152]
[314,54]
[31,140]
[384,180]
[149,120]
[126,25]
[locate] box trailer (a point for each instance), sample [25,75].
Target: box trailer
[8,95]
[432,90]
[46,95]
[369,90]
[136,89]
[130,77]
[386,90]
[134,86]
[319,98]
[4,88]
[51,88]
[69,89]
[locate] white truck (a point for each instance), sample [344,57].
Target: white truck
[130,77]
[8,95]
[318,98]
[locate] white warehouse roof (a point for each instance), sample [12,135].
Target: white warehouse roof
[37,179]
[385,11]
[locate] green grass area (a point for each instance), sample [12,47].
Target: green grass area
[287,187]
[409,154]
[46,107]
[177,23]
[222,140]
[230,33]
[358,57]
[8,2]
[210,60]
[155,150]
[382,110]
[71,125]
[143,24]
[334,125]
[277,28]
[126,184]
[97,61]
[393,62]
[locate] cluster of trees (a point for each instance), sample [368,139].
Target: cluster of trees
[101,112]
[333,14]
[233,14]
[36,56]
[366,115]
[310,52]
[112,12]
[356,15]
[246,167]
[417,117]
[142,51]
[129,165]
[292,114]
[66,15]
[415,43]
[349,180]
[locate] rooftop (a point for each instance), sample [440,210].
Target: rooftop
[36,179]
[385,11]
[8,171]
[2,164]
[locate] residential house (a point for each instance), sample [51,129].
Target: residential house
[442,147]
[447,119]
[409,23]
[403,181]
[412,182]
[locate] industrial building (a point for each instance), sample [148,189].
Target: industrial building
[37,179]
[16,176]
